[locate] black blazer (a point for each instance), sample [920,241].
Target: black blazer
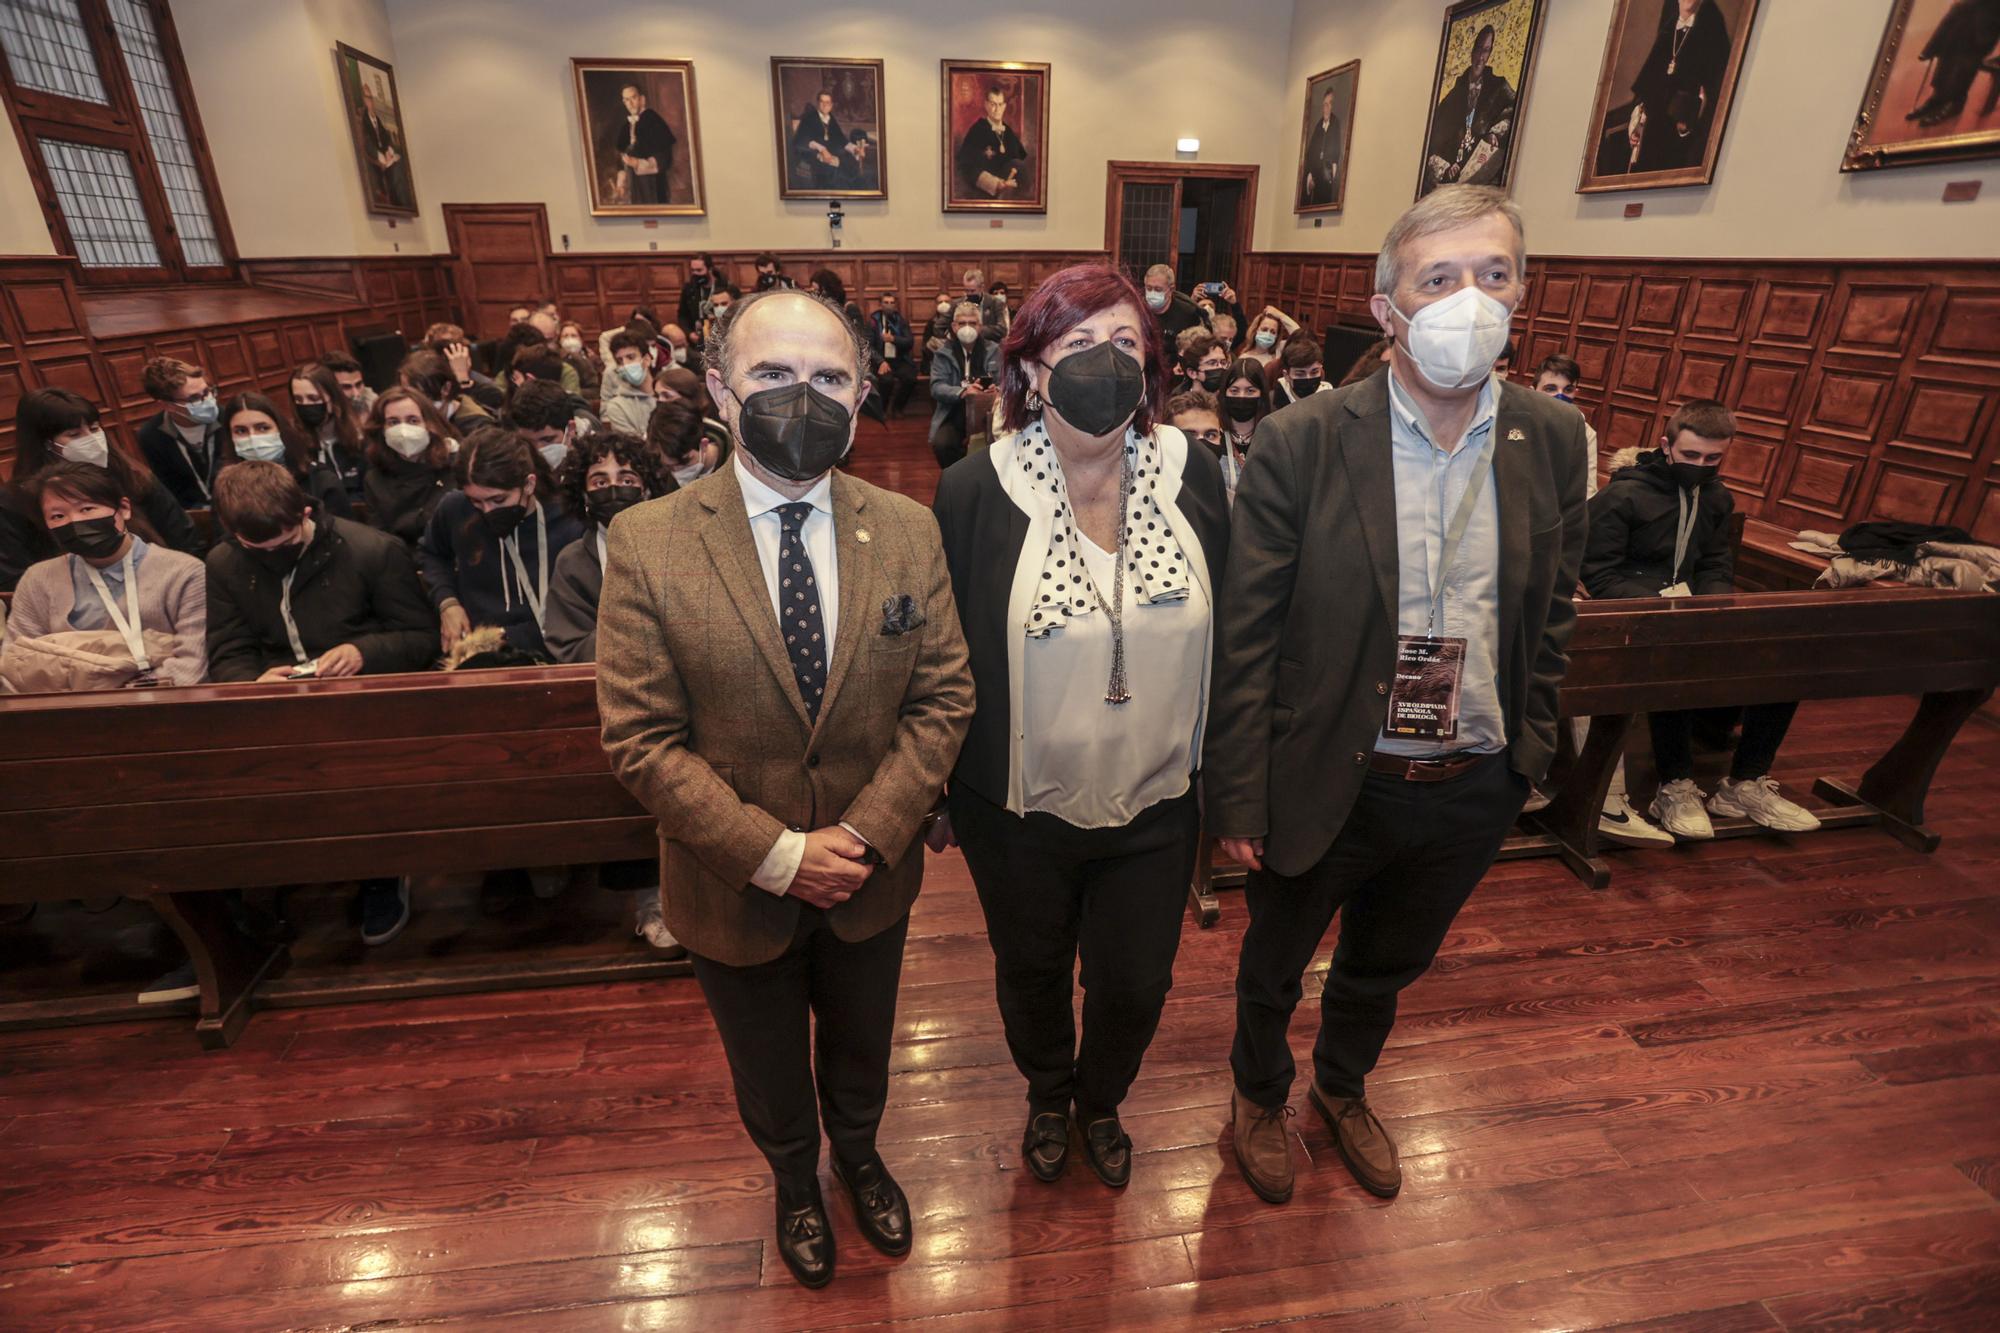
[984,531]
[1307,617]
[162,447]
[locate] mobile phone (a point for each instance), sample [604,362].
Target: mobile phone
[1212,288]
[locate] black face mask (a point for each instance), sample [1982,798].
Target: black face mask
[795,431]
[1305,386]
[1240,409]
[312,415]
[501,522]
[1691,476]
[608,502]
[277,561]
[1213,380]
[91,538]
[1098,390]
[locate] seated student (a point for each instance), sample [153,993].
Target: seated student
[55,426]
[409,452]
[1661,529]
[334,433]
[966,366]
[570,344]
[676,349]
[1304,371]
[1196,414]
[182,444]
[689,455]
[532,365]
[1369,362]
[608,473]
[428,374]
[539,409]
[1558,376]
[258,432]
[114,609]
[535,332]
[489,547]
[347,374]
[628,381]
[450,342]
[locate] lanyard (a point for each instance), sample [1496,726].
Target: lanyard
[196,465]
[127,629]
[291,625]
[1683,532]
[532,591]
[602,558]
[1461,519]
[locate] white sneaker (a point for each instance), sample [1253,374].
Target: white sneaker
[1757,799]
[649,924]
[1537,800]
[1622,824]
[1678,808]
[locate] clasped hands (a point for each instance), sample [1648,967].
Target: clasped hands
[832,868]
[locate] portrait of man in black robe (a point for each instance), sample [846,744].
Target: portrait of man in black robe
[992,161]
[1319,172]
[819,146]
[1472,129]
[641,145]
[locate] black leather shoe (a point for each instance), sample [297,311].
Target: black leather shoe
[805,1237]
[1110,1151]
[1045,1145]
[880,1209]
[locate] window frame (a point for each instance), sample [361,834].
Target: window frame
[37,115]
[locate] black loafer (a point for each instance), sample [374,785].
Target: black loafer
[880,1209]
[1045,1145]
[805,1237]
[1109,1148]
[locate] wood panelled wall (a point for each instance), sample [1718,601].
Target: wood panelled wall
[1862,389]
[502,257]
[247,337]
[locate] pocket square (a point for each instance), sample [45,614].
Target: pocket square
[900,615]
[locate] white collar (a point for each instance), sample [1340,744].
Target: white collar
[1407,412]
[759,499]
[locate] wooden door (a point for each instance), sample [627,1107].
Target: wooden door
[501,255]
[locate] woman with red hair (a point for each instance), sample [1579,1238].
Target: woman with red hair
[1085,547]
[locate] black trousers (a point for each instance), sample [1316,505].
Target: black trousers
[812,1025]
[1402,866]
[948,437]
[1052,891]
[893,389]
[1764,728]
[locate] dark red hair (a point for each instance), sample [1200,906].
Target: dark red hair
[1059,304]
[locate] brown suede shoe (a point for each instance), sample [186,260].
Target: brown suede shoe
[1263,1147]
[1364,1145]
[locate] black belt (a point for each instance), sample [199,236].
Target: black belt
[1440,769]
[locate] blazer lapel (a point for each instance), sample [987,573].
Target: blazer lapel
[857,585]
[1365,451]
[1513,492]
[734,552]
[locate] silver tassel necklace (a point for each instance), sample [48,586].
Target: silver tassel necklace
[1114,690]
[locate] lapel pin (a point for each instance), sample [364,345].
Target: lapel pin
[1516,433]
[861,535]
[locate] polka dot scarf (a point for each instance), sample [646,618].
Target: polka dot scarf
[1155,565]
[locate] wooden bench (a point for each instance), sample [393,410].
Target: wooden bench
[177,794]
[1629,657]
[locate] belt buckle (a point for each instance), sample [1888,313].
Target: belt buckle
[1435,769]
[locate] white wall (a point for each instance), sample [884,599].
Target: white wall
[1778,189]
[494,119]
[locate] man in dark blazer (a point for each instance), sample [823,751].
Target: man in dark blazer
[790,781]
[644,148]
[1393,629]
[1472,126]
[818,143]
[1321,169]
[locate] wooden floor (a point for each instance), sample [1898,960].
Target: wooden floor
[1752,1086]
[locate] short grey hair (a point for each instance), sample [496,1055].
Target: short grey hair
[1442,209]
[972,275]
[1162,271]
[964,308]
[725,330]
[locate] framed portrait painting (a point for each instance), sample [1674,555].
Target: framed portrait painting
[1326,139]
[1479,93]
[830,135]
[1934,92]
[1663,95]
[641,136]
[375,119]
[996,136]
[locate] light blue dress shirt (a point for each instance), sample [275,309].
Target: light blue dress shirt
[1429,484]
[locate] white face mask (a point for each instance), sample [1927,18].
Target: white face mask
[1455,342]
[263,447]
[968,334]
[944,307]
[572,345]
[680,355]
[553,453]
[90,449]
[694,470]
[407,439]
[1156,300]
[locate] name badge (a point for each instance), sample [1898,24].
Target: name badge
[1677,590]
[1424,700]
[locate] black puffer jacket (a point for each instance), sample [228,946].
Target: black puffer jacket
[1630,552]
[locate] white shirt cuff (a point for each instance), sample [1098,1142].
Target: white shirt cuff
[857,835]
[781,863]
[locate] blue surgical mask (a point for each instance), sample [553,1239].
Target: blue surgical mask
[633,373]
[203,411]
[1156,300]
[263,447]
[1266,339]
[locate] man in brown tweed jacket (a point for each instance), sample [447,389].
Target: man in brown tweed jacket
[783,682]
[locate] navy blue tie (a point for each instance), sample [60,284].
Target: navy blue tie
[798,609]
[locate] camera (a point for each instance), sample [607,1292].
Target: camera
[834,217]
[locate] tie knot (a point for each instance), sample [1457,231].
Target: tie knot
[794,515]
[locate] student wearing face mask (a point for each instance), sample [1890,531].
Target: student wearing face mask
[673,348]
[1369,759]
[963,372]
[57,426]
[183,443]
[1204,362]
[575,354]
[427,373]
[1244,406]
[258,432]
[410,449]
[1302,372]
[347,374]
[628,382]
[488,549]
[696,291]
[551,419]
[113,609]
[333,433]
[1265,338]
[1085,550]
[1660,528]
[692,445]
